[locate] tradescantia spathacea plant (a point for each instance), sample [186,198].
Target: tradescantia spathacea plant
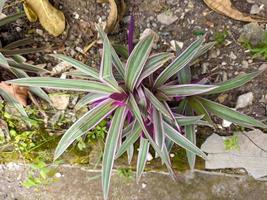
[137,95]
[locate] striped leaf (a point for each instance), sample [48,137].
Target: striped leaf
[156,103]
[78,65]
[115,58]
[13,102]
[153,63]
[137,60]
[64,84]
[191,136]
[106,74]
[114,132]
[88,99]
[130,139]
[203,49]
[130,153]
[11,18]
[182,141]
[234,83]
[3,61]
[35,90]
[158,128]
[138,117]
[230,115]
[187,120]
[26,67]
[84,124]
[179,63]
[197,106]
[185,90]
[142,157]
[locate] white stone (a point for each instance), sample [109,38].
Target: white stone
[149,157]
[166,18]
[244,100]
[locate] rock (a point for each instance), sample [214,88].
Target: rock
[214,53]
[226,123]
[263,66]
[166,18]
[244,100]
[255,9]
[252,32]
[149,157]
[247,155]
[233,56]
[175,43]
[60,101]
[245,64]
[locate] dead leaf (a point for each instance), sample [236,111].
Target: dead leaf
[32,17]
[117,11]
[50,18]
[20,93]
[225,7]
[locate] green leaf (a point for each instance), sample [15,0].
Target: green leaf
[37,91]
[130,153]
[191,136]
[153,63]
[13,102]
[230,115]
[11,18]
[197,106]
[106,74]
[234,83]
[121,50]
[142,157]
[115,58]
[84,124]
[182,141]
[3,61]
[179,63]
[158,128]
[156,103]
[138,117]
[64,84]
[130,139]
[110,147]
[89,98]
[187,120]
[19,43]
[204,48]
[26,67]
[185,90]
[137,60]
[78,65]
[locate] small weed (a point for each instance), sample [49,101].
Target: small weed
[221,36]
[125,172]
[258,51]
[231,143]
[40,174]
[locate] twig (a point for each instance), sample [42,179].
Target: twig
[254,143]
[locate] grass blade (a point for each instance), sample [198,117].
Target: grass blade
[179,63]
[110,147]
[84,124]
[64,84]
[137,60]
[228,114]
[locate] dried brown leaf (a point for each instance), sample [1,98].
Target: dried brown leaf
[18,92]
[226,7]
[50,18]
[117,10]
